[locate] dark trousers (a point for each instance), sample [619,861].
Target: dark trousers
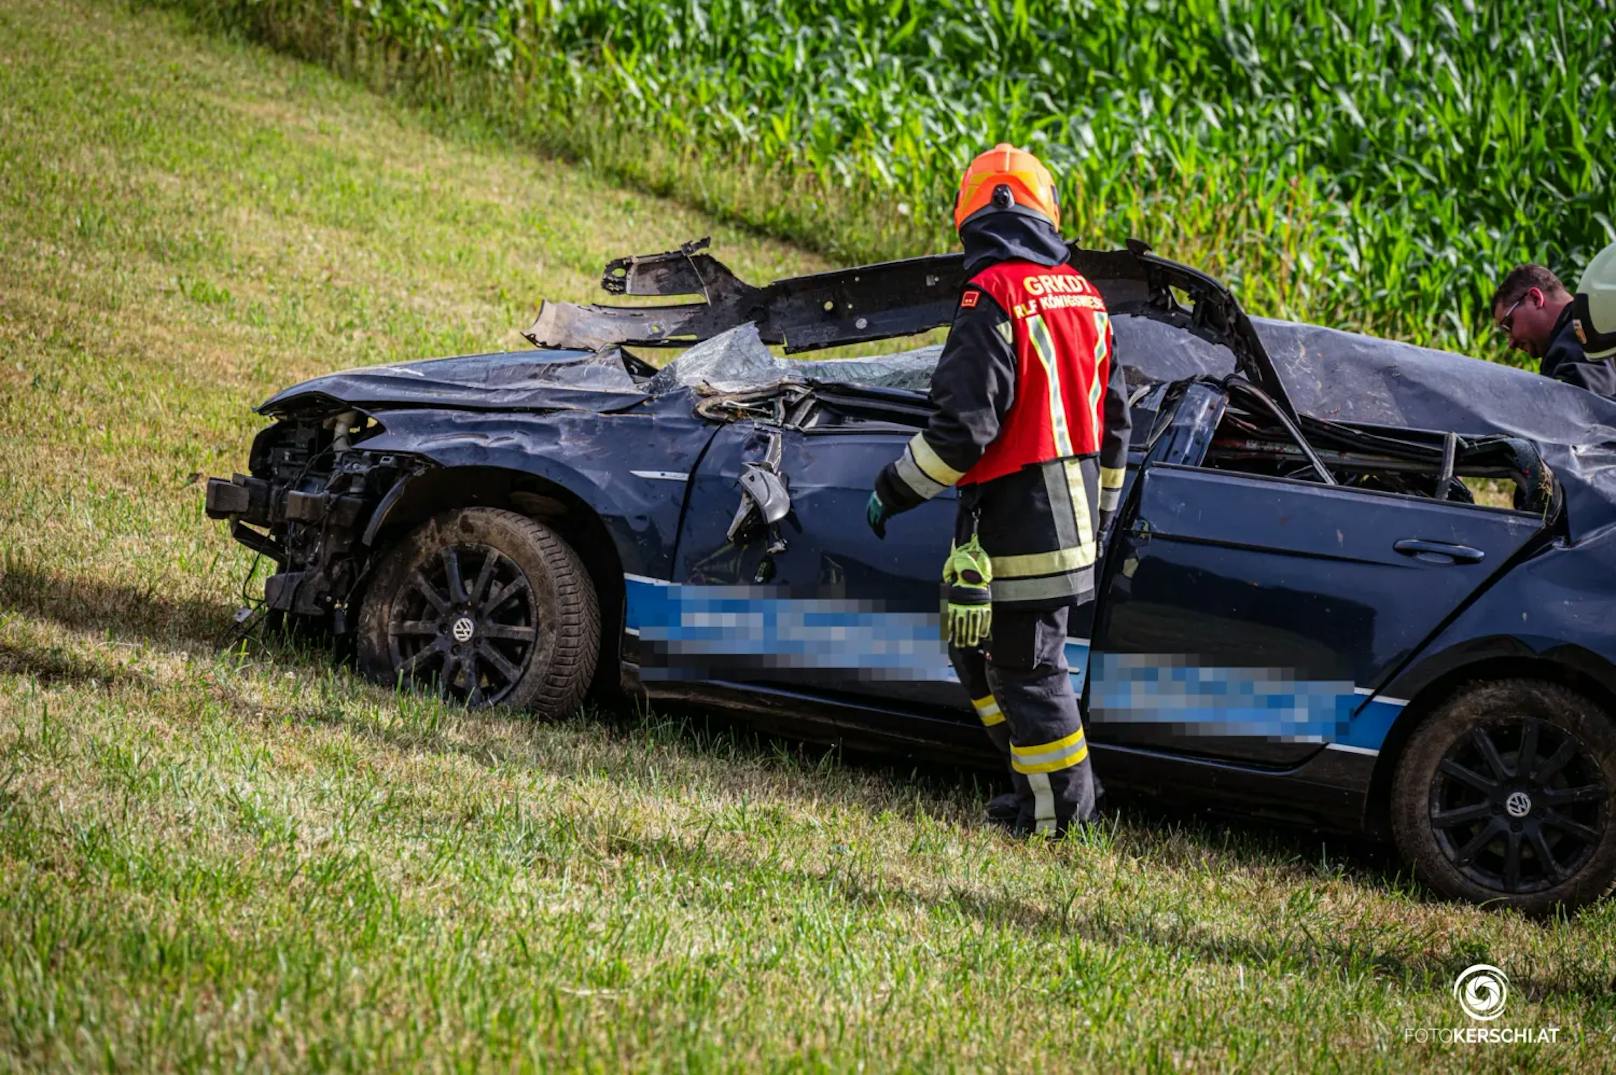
[1019,684]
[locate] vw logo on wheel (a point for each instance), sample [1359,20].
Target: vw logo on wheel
[463,629]
[1519,804]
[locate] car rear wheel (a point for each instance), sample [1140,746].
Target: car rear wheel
[486,606]
[1504,797]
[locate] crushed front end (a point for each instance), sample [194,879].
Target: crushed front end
[306,502]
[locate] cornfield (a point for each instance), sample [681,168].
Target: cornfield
[1356,162]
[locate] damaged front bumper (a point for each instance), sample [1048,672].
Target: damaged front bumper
[312,503]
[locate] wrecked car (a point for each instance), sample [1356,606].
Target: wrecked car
[1304,614]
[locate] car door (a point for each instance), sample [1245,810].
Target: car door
[831,610]
[1249,617]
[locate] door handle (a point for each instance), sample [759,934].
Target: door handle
[1438,552]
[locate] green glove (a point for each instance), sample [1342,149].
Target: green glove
[967,595]
[876,514]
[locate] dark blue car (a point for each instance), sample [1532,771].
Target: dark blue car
[1355,584]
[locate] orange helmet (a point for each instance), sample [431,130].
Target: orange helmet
[1002,178]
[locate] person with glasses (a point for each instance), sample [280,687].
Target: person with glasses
[1534,310]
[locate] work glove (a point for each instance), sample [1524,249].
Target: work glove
[967,595]
[876,514]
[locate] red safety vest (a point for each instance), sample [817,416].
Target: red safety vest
[1062,337]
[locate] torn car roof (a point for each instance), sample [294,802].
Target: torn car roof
[878,302]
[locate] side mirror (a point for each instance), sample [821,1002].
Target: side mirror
[763,499]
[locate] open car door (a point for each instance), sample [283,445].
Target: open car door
[1252,617]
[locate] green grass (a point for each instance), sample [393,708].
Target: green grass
[218,860]
[1361,164]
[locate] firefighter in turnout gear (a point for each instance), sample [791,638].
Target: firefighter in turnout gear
[1032,425]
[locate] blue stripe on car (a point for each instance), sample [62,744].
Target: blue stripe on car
[685,628]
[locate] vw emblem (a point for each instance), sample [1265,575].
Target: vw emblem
[463,630]
[1519,804]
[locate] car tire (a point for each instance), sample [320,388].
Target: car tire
[486,606]
[1503,797]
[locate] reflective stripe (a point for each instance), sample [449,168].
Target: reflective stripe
[930,463]
[1076,758]
[1038,563]
[915,478]
[1043,803]
[1049,757]
[988,709]
[1006,333]
[1112,477]
[1100,351]
[1080,511]
[1045,347]
[1109,499]
[1075,585]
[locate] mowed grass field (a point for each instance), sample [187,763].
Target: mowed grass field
[215,859]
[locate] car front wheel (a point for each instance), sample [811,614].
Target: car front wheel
[1504,797]
[486,606]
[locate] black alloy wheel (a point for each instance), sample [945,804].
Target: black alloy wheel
[1519,806]
[1503,796]
[486,607]
[468,622]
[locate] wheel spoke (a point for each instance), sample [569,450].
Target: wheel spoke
[1540,848]
[484,577]
[1477,842]
[408,667]
[1467,776]
[451,571]
[1574,828]
[438,602]
[413,627]
[509,590]
[1588,793]
[1527,755]
[474,690]
[1558,759]
[511,631]
[1489,753]
[497,659]
[1446,819]
[1512,860]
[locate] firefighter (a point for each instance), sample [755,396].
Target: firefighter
[1533,308]
[1031,423]
[1593,308]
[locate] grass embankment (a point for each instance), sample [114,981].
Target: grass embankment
[212,861]
[1363,164]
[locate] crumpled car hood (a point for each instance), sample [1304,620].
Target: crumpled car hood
[501,380]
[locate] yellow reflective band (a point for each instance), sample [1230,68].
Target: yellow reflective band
[1049,757]
[1033,750]
[1030,564]
[915,478]
[1051,766]
[930,463]
[1100,351]
[990,719]
[1112,477]
[1045,347]
[988,709]
[1070,584]
[1080,510]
